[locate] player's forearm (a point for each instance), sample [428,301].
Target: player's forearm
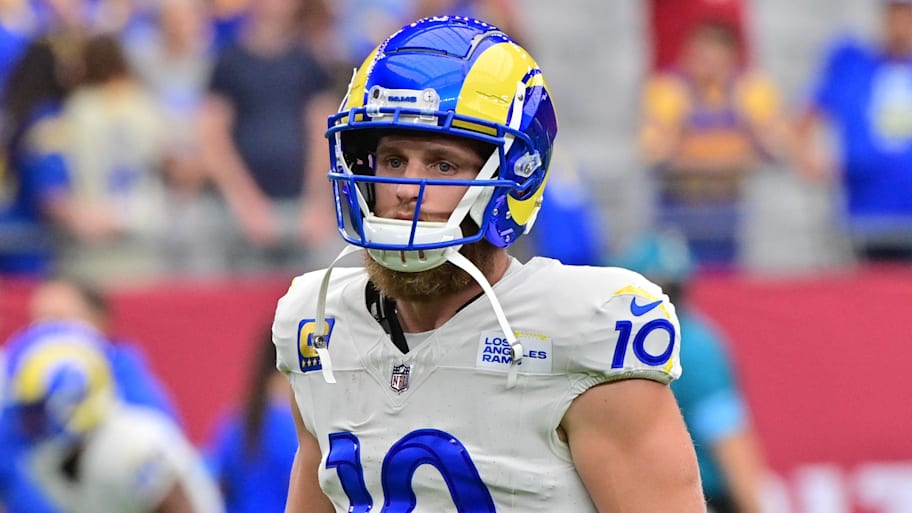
[304,494]
[176,501]
[739,458]
[317,165]
[221,161]
[645,485]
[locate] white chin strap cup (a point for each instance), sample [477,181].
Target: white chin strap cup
[398,231]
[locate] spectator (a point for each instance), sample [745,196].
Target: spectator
[706,124]
[670,21]
[710,398]
[173,61]
[15,25]
[64,405]
[363,24]
[263,124]
[864,94]
[35,181]
[253,449]
[227,17]
[500,13]
[115,144]
[66,24]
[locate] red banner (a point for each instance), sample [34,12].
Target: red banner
[823,362]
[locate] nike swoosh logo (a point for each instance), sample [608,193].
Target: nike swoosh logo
[638,310]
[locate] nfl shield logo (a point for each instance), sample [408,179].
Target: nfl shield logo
[399,381]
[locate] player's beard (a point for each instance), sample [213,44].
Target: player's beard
[425,286]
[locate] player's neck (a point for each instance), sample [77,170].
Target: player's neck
[417,317]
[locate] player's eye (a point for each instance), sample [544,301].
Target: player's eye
[446,168]
[394,163]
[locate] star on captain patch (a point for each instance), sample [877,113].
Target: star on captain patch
[399,381]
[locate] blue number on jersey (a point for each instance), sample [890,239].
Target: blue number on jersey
[639,342]
[345,456]
[424,446]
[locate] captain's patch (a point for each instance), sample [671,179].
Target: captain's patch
[308,359]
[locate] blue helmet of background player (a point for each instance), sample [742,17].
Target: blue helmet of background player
[447,76]
[58,381]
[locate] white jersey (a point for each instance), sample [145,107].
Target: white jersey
[128,465]
[438,429]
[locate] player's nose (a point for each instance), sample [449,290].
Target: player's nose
[409,192]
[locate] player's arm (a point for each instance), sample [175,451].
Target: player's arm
[304,493]
[176,501]
[738,455]
[318,221]
[226,168]
[632,450]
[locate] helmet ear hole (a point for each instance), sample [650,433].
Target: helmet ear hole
[533,184]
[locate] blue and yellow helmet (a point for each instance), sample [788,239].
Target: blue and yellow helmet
[58,380]
[453,76]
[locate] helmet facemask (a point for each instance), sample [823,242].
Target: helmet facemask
[415,245]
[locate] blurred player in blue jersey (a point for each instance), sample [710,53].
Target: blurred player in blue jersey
[86,449]
[69,299]
[18,494]
[711,400]
[63,299]
[446,375]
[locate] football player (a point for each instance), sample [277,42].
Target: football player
[87,450]
[445,375]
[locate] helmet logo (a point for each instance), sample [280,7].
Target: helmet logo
[399,381]
[423,100]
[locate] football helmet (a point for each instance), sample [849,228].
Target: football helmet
[452,76]
[58,380]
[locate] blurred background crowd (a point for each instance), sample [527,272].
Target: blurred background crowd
[177,137]
[150,138]
[148,143]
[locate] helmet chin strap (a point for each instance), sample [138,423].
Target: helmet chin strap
[318,337]
[459,260]
[321,345]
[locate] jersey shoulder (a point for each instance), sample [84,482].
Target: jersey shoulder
[580,285]
[139,453]
[298,307]
[615,323]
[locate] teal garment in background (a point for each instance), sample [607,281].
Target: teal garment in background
[708,394]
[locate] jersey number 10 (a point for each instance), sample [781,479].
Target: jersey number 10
[423,446]
[639,342]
